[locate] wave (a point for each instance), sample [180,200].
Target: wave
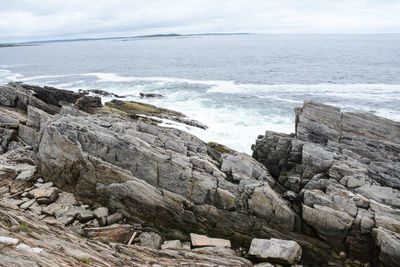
[232,87]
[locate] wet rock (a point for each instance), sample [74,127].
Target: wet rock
[87,103]
[100,92]
[276,250]
[150,95]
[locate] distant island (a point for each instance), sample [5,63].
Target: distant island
[7,45]
[124,38]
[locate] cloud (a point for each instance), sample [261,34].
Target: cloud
[55,19]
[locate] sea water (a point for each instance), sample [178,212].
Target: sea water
[238,85]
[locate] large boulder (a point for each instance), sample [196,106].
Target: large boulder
[340,170]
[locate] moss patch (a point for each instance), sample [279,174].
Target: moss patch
[220,148]
[133,107]
[84,260]
[21,228]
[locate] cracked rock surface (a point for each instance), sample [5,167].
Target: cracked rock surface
[341,171]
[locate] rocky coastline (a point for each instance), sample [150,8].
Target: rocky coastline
[79,180]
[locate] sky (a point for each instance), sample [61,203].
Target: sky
[31,20]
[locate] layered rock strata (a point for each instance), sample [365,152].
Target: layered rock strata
[341,171]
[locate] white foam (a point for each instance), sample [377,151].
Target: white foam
[229,123]
[41,77]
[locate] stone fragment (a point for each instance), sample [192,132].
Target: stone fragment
[119,233]
[101,214]
[51,209]
[172,244]
[276,250]
[46,195]
[26,176]
[150,239]
[205,241]
[27,204]
[7,172]
[114,218]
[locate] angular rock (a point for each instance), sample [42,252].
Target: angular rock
[332,225]
[7,172]
[172,244]
[46,195]
[27,204]
[51,209]
[101,214]
[150,239]
[88,102]
[26,175]
[120,233]
[389,246]
[114,218]
[276,250]
[205,241]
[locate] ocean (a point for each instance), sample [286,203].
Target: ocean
[238,85]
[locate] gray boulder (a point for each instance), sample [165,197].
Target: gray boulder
[276,250]
[150,239]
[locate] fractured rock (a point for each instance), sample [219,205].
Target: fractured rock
[276,250]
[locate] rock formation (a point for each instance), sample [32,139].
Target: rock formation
[333,187]
[341,171]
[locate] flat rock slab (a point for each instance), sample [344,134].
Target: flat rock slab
[205,241]
[172,244]
[275,250]
[120,233]
[46,195]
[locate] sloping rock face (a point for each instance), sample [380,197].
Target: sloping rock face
[341,172]
[161,177]
[49,244]
[171,181]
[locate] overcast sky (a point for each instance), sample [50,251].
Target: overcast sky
[58,19]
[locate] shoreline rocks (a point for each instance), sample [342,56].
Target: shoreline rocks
[341,171]
[332,187]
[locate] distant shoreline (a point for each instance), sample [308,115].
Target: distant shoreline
[120,37]
[16,45]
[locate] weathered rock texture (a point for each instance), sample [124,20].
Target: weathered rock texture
[36,242]
[341,171]
[168,180]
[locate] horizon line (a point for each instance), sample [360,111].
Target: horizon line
[180,35]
